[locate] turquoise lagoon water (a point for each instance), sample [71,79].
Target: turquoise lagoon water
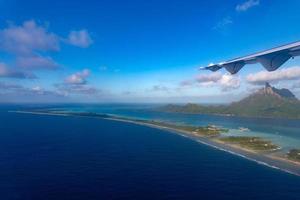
[283,132]
[55,157]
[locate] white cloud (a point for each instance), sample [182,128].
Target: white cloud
[38,90]
[292,73]
[6,72]
[210,78]
[80,38]
[224,81]
[77,84]
[229,82]
[30,42]
[246,5]
[68,89]
[36,62]
[15,89]
[27,38]
[26,42]
[78,77]
[6,86]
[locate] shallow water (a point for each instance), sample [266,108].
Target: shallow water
[283,132]
[56,157]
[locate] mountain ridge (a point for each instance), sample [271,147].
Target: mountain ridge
[268,102]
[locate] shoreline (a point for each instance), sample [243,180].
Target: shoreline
[271,160]
[234,115]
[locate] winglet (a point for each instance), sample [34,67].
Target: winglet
[212,67]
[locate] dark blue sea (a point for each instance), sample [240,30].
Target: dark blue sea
[57,157]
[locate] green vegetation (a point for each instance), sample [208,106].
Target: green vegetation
[207,131]
[210,131]
[266,106]
[252,143]
[294,154]
[194,108]
[83,114]
[266,102]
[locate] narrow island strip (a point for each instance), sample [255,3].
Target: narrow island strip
[252,148]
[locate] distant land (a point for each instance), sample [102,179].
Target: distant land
[267,102]
[255,148]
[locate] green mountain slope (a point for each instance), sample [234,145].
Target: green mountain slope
[266,102]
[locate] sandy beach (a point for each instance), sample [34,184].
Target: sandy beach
[267,159]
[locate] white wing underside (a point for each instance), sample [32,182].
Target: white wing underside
[271,59]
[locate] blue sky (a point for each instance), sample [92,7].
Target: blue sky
[139,51]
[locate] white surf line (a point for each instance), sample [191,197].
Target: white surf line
[247,157]
[174,131]
[195,138]
[38,113]
[219,148]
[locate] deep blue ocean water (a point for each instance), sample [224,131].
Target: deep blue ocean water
[56,157]
[283,132]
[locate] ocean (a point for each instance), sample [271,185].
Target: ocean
[57,157]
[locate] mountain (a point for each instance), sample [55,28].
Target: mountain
[266,102]
[280,93]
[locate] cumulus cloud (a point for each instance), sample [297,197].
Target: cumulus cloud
[6,86]
[36,62]
[224,81]
[229,82]
[246,5]
[77,84]
[68,89]
[80,38]
[78,77]
[38,90]
[207,79]
[27,38]
[30,42]
[19,90]
[6,72]
[292,73]
[26,42]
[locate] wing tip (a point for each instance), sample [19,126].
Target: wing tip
[212,67]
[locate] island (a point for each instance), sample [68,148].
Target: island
[267,102]
[294,154]
[253,148]
[206,131]
[252,143]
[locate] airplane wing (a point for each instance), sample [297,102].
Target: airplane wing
[271,59]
